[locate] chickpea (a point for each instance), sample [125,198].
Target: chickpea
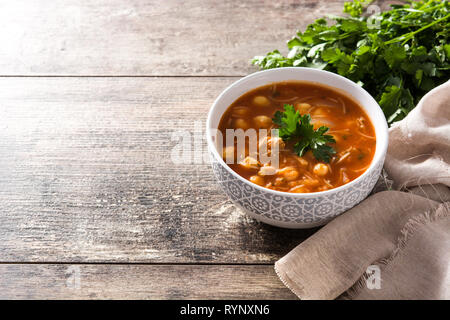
[302,161]
[240,111]
[289,173]
[249,163]
[241,124]
[295,183]
[321,169]
[261,101]
[302,107]
[267,171]
[320,112]
[311,182]
[257,180]
[228,153]
[262,121]
[279,181]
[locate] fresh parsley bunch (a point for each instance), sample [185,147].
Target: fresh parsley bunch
[397,55]
[292,126]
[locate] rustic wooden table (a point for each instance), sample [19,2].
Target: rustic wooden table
[91,204]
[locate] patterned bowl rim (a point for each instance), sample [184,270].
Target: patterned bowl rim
[380,152]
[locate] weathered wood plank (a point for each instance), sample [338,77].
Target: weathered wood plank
[86,176]
[171,37]
[140,282]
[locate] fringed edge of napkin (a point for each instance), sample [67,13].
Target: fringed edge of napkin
[282,278]
[407,232]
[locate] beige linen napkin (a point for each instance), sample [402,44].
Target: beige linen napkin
[395,244]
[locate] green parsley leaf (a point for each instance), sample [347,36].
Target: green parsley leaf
[287,122]
[297,128]
[394,54]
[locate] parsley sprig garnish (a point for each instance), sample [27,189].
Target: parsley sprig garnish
[397,55]
[298,129]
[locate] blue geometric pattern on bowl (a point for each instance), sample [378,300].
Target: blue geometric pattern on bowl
[288,209]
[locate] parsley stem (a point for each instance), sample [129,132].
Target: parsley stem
[410,35]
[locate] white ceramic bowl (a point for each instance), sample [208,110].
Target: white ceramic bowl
[296,210]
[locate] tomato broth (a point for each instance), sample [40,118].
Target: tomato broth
[347,122]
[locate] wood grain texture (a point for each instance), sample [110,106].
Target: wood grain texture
[85,169]
[86,176]
[170,37]
[140,282]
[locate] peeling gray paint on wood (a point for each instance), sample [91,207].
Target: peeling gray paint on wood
[86,176]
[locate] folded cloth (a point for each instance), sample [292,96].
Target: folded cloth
[419,145]
[395,244]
